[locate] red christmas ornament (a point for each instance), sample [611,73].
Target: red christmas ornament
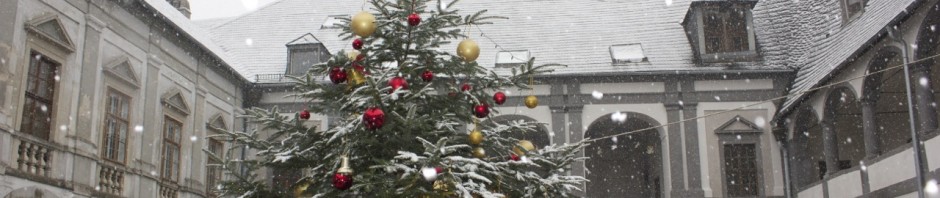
[514,157]
[397,83]
[342,181]
[465,87]
[427,76]
[337,75]
[374,118]
[439,170]
[357,44]
[305,115]
[481,110]
[499,97]
[414,19]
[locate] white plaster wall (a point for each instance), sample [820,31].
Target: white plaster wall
[813,192]
[279,97]
[846,185]
[891,170]
[932,147]
[710,158]
[727,85]
[612,88]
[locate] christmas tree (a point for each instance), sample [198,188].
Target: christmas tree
[410,118]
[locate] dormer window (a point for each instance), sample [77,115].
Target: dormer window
[333,21]
[512,58]
[303,53]
[721,31]
[852,9]
[627,53]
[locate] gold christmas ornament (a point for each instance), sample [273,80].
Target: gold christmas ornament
[344,167]
[363,24]
[301,188]
[527,145]
[476,137]
[478,152]
[531,101]
[355,77]
[468,50]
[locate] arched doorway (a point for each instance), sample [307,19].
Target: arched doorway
[625,166]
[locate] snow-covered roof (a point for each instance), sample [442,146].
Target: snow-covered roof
[199,35]
[576,33]
[827,44]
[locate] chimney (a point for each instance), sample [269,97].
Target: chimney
[182,6]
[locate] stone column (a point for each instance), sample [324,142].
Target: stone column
[674,142]
[693,164]
[830,146]
[870,129]
[576,134]
[923,99]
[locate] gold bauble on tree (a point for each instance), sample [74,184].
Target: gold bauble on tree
[355,77]
[302,188]
[476,137]
[363,24]
[478,152]
[468,50]
[531,101]
[525,144]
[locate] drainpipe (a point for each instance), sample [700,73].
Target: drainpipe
[786,169]
[915,140]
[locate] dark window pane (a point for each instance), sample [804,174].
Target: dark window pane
[741,175]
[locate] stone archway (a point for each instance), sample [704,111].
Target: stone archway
[844,115]
[807,160]
[30,192]
[885,91]
[928,46]
[628,165]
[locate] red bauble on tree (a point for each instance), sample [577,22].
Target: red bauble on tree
[342,181]
[499,97]
[305,115]
[373,118]
[514,157]
[357,44]
[414,19]
[481,110]
[465,87]
[397,83]
[427,76]
[337,75]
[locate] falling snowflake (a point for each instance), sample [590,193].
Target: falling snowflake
[249,42]
[139,128]
[63,128]
[597,95]
[193,138]
[924,82]
[668,2]
[618,117]
[931,188]
[760,121]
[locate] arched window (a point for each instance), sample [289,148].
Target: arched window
[806,147]
[844,113]
[626,165]
[887,92]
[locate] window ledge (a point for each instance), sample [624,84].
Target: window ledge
[727,57]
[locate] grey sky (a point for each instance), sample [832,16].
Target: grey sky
[209,9]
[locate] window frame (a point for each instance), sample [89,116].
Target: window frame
[178,145]
[746,137]
[49,100]
[108,115]
[215,174]
[725,173]
[847,17]
[751,54]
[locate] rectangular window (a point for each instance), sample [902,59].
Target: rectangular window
[172,130]
[741,175]
[851,9]
[725,29]
[41,79]
[115,126]
[214,173]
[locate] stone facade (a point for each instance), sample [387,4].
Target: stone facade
[104,47]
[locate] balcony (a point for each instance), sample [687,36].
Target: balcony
[33,157]
[168,191]
[111,180]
